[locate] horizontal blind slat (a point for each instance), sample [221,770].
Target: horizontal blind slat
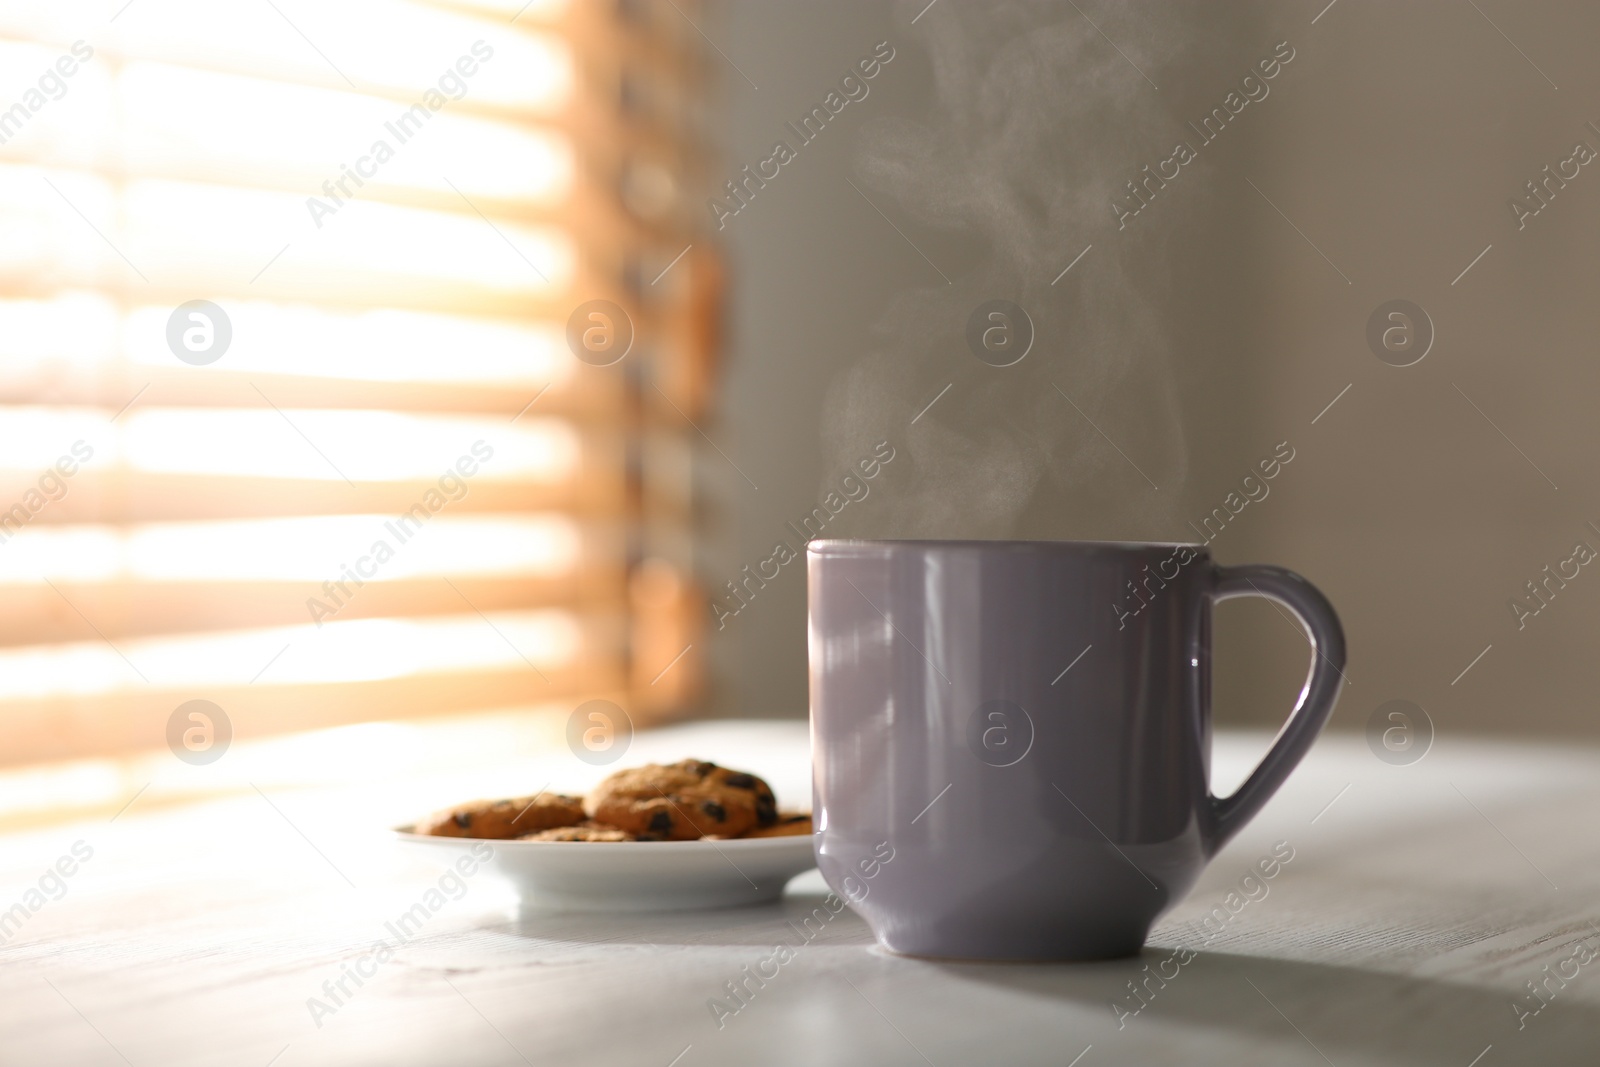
[38,731]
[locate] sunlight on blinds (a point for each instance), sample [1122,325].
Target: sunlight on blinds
[361,650]
[303,549]
[389,487]
[85,332]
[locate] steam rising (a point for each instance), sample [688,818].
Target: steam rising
[1035,126]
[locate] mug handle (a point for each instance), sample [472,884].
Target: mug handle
[1317,697]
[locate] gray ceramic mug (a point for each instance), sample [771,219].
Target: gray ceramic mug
[1011,739]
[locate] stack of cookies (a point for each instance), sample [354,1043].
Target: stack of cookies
[685,801]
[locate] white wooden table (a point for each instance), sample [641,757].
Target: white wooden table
[1416,906]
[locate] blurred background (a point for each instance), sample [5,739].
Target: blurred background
[399,377]
[1221,320]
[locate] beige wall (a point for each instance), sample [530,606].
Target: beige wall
[1201,336]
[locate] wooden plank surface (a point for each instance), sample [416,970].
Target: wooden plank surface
[1418,902]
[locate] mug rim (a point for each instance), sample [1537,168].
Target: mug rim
[827,544]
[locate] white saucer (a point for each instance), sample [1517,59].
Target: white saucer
[634,875]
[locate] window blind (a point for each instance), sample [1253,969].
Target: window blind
[289,416]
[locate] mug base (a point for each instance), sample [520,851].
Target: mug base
[1089,952]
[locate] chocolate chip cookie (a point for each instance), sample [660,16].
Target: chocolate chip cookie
[587,831]
[789,824]
[501,819]
[683,801]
